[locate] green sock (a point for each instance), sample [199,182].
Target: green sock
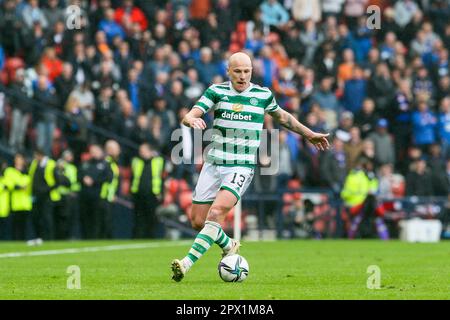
[211,233]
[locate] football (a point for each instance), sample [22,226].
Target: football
[233,268]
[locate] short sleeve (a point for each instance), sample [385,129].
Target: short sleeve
[207,101]
[272,104]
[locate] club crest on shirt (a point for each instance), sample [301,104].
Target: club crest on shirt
[253,101]
[237,107]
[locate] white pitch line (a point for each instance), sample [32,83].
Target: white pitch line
[91,249]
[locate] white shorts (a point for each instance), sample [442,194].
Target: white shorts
[214,178]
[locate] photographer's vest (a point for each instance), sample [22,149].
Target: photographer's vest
[157,167]
[4,198]
[48,176]
[109,189]
[21,199]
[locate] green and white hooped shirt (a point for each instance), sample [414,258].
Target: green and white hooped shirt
[238,122]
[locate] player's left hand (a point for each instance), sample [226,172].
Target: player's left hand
[319,140]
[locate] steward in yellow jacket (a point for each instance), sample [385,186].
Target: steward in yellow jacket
[359,196]
[44,189]
[109,188]
[21,200]
[147,188]
[5,226]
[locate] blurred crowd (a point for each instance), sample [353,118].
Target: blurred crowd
[133,68]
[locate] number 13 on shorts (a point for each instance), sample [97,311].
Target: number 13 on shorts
[237,181]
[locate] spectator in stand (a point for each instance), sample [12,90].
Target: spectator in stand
[345,124]
[19,101]
[123,57]
[418,45]
[53,12]
[440,67]
[430,36]
[370,64]
[32,14]
[159,88]
[343,39]
[110,27]
[11,25]
[75,127]
[387,49]
[303,10]
[353,9]
[419,180]
[194,87]
[2,57]
[53,64]
[362,40]
[43,116]
[106,110]
[332,8]
[424,124]
[127,118]
[391,184]
[128,14]
[142,133]
[444,126]
[166,115]
[86,100]
[368,152]
[327,66]
[265,66]
[423,87]
[212,29]
[207,69]
[443,88]
[64,84]
[355,91]
[307,85]
[381,88]
[227,13]
[345,69]
[274,14]
[285,87]
[315,118]
[353,148]
[311,38]
[256,42]
[436,163]
[100,13]
[327,100]
[135,91]
[404,12]
[177,99]
[366,118]
[384,146]
[333,166]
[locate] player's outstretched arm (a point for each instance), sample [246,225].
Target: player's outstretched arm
[193,119]
[287,120]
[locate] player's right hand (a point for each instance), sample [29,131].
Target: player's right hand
[197,123]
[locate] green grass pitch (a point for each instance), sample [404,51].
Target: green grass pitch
[308,269]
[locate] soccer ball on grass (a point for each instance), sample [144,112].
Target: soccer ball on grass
[233,268]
